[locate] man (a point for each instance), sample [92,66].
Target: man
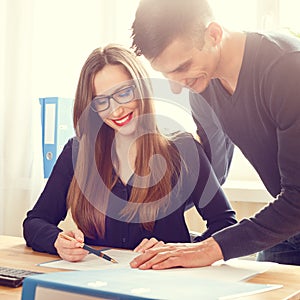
[251,83]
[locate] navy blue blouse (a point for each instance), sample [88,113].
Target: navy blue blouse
[198,186]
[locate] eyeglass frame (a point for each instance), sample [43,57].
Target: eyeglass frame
[111,96]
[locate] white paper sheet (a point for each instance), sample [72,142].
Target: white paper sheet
[92,262]
[232,270]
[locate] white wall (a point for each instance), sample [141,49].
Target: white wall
[65,32]
[2,74]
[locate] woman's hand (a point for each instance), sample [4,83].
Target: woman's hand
[148,244]
[71,250]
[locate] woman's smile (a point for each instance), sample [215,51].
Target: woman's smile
[124,120]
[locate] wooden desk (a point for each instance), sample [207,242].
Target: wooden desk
[14,253]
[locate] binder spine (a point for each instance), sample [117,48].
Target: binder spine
[57,128]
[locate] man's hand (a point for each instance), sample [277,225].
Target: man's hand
[71,250]
[147,244]
[190,255]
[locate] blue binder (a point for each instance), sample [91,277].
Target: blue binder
[127,283]
[57,128]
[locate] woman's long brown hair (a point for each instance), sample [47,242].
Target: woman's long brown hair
[94,174]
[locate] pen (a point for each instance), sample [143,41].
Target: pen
[88,248]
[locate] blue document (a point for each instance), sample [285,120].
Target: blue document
[57,128]
[127,283]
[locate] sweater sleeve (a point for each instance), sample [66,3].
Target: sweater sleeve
[216,144]
[280,219]
[40,226]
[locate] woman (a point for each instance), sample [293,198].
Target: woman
[122,180]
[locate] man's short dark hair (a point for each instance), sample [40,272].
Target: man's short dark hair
[158,22]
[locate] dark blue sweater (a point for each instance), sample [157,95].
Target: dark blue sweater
[198,186]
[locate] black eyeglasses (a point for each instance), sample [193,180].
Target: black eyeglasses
[122,96]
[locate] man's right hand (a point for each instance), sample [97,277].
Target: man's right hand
[187,255]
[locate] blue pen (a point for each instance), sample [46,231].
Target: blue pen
[90,249]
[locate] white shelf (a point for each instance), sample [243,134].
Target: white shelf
[246,191]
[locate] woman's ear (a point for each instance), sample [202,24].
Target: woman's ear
[213,34]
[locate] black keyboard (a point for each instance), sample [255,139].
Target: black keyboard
[13,277]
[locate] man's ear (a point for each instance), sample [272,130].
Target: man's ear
[213,34]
